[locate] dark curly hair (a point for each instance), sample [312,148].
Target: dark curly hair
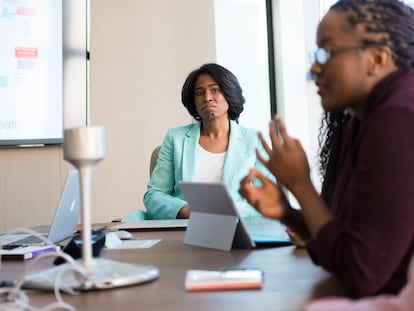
[329,138]
[229,86]
[385,22]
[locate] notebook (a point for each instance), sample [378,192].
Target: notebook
[64,221]
[215,222]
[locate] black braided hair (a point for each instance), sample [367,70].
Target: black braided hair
[386,22]
[330,133]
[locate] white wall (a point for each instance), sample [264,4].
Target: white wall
[141,53]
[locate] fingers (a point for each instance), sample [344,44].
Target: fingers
[250,189]
[262,160]
[278,136]
[245,186]
[264,143]
[282,129]
[253,174]
[273,132]
[295,238]
[284,137]
[246,180]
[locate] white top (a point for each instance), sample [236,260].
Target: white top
[209,166]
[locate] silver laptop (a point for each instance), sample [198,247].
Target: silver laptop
[64,221]
[215,223]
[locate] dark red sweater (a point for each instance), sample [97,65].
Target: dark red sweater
[371,241]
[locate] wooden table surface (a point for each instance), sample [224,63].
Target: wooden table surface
[290,279]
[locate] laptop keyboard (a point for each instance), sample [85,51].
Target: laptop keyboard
[28,240]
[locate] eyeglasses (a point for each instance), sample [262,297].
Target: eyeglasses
[323,55]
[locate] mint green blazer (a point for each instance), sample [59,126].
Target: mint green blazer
[176,162]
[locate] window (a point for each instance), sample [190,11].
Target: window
[242,47]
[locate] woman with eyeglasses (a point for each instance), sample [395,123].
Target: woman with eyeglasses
[361,226]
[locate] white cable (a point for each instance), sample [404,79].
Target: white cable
[10,299]
[15,299]
[31,232]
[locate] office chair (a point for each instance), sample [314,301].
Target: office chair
[140,214]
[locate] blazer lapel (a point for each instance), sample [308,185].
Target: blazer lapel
[191,139]
[234,156]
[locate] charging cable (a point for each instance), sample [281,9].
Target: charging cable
[14,298]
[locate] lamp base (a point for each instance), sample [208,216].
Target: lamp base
[102,274]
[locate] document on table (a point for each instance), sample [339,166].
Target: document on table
[130,244]
[133,244]
[113,242]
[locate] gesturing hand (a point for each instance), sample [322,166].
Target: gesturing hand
[268,199]
[287,159]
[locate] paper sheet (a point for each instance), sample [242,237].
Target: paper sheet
[133,244]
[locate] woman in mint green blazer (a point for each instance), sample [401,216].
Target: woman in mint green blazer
[213,149]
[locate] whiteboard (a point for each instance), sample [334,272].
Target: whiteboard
[32,72]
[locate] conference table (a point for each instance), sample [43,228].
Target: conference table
[291,280]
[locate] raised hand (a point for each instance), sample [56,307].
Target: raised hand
[267,198]
[286,159]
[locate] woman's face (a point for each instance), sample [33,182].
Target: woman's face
[209,100]
[344,81]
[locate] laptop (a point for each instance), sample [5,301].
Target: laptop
[153,225]
[215,222]
[64,221]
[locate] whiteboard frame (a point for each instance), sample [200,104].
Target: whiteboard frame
[75,19]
